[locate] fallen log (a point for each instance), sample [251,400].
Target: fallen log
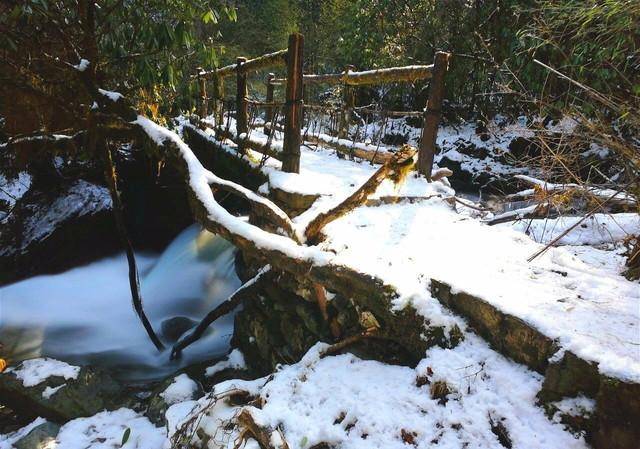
[253,144]
[400,161]
[371,153]
[541,210]
[601,194]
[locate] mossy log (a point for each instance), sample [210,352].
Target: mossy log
[408,74]
[275,59]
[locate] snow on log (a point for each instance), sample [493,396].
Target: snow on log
[620,198]
[277,58]
[409,74]
[200,181]
[533,211]
[377,155]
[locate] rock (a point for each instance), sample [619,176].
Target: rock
[521,147]
[394,139]
[481,127]
[61,399]
[173,328]
[292,203]
[500,186]
[56,226]
[468,148]
[569,377]
[171,391]
[39,437]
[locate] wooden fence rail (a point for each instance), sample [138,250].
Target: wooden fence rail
[350,78]
[294,106]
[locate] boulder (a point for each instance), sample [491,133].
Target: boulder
[173,328]
[56,226]
[39,437]
[61,396]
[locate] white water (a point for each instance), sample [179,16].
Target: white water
[85,316]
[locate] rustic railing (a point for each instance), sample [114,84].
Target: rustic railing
[293,105]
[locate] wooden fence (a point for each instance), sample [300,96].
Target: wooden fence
[294,84]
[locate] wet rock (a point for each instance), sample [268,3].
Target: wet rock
[468,148]
[171,391]
[521,147]
[54,227]
[39,437]
[618,409]
[501,186]
[173,328]
[61,399]
[394,139]
[482,131]
[568,378]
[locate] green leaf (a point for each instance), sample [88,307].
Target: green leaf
[209,17]
[304,441]
[125,436]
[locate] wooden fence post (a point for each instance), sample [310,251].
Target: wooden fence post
[432,115]
[268,115]
[218,99]
[293,105]
[347,106]
[242,105]
[202,84]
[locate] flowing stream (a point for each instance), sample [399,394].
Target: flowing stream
[85,316]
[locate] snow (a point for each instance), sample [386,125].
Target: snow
[352,403]
[181,389]
[235,360]
[81,198]
[407,245]
[7,441]
[82,66]
[595,230]
[105,430]
[35,371]
[113,96]
[578,406]
[50,391]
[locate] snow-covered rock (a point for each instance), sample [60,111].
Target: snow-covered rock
[59,391]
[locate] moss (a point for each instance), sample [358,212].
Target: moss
[569,377]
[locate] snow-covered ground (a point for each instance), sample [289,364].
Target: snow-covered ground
[588,309]
[466,397]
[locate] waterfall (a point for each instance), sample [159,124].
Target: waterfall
[85,316]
